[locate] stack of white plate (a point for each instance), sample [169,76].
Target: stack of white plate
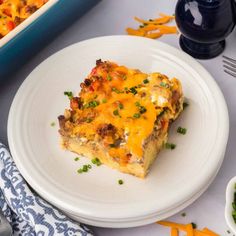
[177,178]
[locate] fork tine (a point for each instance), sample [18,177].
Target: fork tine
[230,73]
[230,59]
[230,68]
[230,63]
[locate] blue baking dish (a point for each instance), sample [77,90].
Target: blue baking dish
[35,32]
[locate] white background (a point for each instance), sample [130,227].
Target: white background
[111,17]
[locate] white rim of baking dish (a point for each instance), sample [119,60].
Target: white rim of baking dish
[27,22]
[230,190]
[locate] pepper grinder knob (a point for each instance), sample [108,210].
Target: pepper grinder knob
[204,25]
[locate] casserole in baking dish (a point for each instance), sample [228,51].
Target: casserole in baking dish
[14,12]
[25,40]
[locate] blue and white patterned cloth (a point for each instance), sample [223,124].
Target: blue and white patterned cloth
[28,214]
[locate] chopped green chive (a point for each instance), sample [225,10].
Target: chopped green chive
[121,106]
[85,168]
[112,145]
[116,112]
[126,89]
[80,171]
[185,104]
[170,146]
[234,205]
[120,182]
[145,24]
[109,78]
[116,90]
[133,90]
[146,81]
[161,113]
[183,214]
[89,120]
[53,124]
[194,225]
[181,130]
[124,77]
[76,159]
[165,85]
[92,104]
[136,115]
[69,94]
[86,105]
[104,100]
[142,109]
[96,161]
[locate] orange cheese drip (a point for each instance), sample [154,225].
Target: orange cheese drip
[120,106]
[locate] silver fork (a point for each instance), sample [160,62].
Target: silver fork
[229,66]
[5,228]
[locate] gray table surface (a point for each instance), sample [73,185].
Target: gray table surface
[111,17]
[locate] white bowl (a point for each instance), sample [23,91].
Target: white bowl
[230,190]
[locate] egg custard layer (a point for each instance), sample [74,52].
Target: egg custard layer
[121,116]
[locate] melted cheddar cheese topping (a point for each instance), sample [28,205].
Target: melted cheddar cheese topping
[120,107]
[13,12]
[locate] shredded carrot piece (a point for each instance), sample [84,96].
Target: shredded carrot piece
[164,29]
[163,20]
[173,225]
[150,27]
[209,232]
[167,29]
[153,28]
[135,32]
[174,232]
[200,233]
[164,15]
[189,230]
[154,35]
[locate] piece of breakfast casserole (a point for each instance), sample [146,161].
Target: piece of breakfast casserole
[121,116]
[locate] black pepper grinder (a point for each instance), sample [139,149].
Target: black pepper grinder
[204,25]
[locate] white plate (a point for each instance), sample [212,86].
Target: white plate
[142,220]
[176,176]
